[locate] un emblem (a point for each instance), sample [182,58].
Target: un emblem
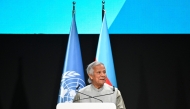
[70,80]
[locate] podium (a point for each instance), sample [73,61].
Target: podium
[85,106]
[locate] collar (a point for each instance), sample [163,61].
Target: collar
[98,90]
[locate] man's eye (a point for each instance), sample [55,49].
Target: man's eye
[98,72]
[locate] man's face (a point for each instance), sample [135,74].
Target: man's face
[99,76]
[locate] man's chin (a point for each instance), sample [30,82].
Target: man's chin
[102,82]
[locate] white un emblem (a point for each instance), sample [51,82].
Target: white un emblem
[70,80]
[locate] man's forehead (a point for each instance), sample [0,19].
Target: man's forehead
[99,66]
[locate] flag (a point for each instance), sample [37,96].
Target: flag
[104,54]
[73,74]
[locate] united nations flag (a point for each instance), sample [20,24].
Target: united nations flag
[73,74]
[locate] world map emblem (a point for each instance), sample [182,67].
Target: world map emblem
[70,80]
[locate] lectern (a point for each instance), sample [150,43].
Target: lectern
[85,106]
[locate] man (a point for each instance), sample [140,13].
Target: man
[98,90]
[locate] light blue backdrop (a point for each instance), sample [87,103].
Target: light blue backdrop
[123,16]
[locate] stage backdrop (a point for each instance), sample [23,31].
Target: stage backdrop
[152,71]
[123,16]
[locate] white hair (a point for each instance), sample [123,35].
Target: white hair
[90,69]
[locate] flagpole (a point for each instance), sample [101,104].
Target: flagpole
[73,12]
[103,10]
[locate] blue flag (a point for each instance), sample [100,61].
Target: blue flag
[73,74]
[104,54]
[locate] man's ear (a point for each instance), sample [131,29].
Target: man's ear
[90,76]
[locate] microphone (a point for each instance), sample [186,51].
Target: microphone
[78,87]
[106,94]
[93,96]
[86,95]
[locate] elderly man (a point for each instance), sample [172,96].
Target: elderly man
[98,90]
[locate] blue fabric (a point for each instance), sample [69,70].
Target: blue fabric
[104,53]
[73,74]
